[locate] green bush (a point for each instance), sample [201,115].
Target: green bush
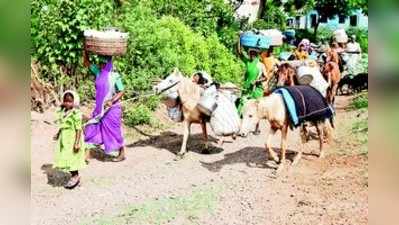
[157,46]
[204,17]
[323,34]
[361,101]
[57,32]
[136,115]
[362,37]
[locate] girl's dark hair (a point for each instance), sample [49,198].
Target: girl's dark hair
[202,79]
[63,98]
[217,85]
[68,94]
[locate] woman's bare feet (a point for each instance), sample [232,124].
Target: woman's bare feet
[120,157]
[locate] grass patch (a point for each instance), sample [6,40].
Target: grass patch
[351,133]
[360,102]
[164,210]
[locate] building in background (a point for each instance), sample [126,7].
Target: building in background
[357,19]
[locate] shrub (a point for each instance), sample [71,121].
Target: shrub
[323,34]
[361,101]
[57,30]
[157,46]
[136,115]
[204,17]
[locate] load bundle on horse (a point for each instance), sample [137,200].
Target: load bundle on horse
[306,73]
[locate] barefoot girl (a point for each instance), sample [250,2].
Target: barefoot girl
[70,152]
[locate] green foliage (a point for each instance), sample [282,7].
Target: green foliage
[57,30]
[362,36]
[361,101]
[204,17]
[136,115]
[324,34]
[159,45]
[271,17]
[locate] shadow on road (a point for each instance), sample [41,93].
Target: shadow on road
[172,142]
[55,177]
[254,157]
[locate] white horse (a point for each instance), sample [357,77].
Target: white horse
[272,108]
[189,94]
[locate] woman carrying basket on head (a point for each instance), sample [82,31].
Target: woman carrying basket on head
[255,74]
[105,125]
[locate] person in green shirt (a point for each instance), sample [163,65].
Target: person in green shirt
[255,73]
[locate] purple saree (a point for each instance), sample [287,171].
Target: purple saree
[105,127]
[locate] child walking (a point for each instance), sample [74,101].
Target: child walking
[70,152]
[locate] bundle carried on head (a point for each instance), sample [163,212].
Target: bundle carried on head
[108,42]
[254,40]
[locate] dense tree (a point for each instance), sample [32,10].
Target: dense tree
[274,13]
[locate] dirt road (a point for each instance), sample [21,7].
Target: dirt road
[233,185]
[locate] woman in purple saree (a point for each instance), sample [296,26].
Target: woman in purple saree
[105,125]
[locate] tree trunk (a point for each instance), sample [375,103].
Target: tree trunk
[315,30]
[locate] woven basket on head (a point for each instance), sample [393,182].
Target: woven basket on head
[103,46]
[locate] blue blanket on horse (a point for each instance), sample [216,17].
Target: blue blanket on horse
[305,103]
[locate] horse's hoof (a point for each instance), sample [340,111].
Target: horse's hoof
[280,168]
[179,156]
[296,159]
[274,157]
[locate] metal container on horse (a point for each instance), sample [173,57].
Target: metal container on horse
[208,101]
[305,75]
[207,104]
[175,113]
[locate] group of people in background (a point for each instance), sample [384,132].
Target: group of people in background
[260,65]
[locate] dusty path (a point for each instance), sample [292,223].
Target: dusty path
[233,185]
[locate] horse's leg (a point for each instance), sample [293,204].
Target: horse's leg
[328,131]
[221,141]
[272,154]
[284,131]
[183,149]
[334,92]
[320,132]
[301,147]
[205,135]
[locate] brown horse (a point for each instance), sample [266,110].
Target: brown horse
[332,74]
[286,75]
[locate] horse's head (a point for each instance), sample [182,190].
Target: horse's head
[169,84]
[250,117]
[286,75]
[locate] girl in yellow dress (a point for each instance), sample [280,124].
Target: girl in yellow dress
[70,152]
